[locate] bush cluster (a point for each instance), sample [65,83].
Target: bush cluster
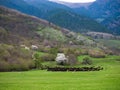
[72,59]
[15,58]
[43,58]
[97,53]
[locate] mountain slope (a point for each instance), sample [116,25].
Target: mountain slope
[22,6]
[106,12]
[109,11]
[73,5]
[18,28]
[73,22]
[55,13]
[66,17]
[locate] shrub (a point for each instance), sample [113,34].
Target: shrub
[37,60]
[46,50]
[41,58]
[97,53]
[4,66]
[14,58]
[53,51]
[41,48]
[87,60]
[63,50]
[69,51]
[38,63]
[84,51]
[77,52]
[5,55]
[48,57]
[20,65]
[72,59]
[108,52]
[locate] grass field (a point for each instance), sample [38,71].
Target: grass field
[107,79]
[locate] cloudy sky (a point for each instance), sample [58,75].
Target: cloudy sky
[75,1]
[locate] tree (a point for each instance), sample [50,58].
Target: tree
[72,59]
[86,60]
[38,61]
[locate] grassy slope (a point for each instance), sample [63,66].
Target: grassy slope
[107,79]
[110,43]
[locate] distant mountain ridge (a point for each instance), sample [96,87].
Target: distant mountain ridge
[106,12]
[55,13]
[109,11]
[73,5]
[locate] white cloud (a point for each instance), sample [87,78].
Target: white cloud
[75,1]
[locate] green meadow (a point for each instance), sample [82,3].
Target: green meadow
[106,79]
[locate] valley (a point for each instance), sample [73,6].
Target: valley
[46,45]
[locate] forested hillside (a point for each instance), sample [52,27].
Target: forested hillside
[106,12]
[55,13]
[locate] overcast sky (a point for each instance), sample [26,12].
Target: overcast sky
[75,1]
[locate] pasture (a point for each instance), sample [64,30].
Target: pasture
[106,79]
